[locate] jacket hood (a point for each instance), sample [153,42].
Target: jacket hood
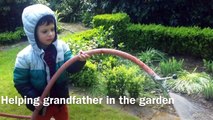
[30,17]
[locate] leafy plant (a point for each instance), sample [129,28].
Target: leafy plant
[124,81]
[11,37]
[208,64]
[88,10]
[104,37]
[106,62]
[81,41]
[190,83]
[151,56]
[208,91]
[70,10]
[87,40]
[88,77]
[58,20]
[171,66]
[119,21]
[135,86]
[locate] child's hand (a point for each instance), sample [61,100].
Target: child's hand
[39,107]
[83,56]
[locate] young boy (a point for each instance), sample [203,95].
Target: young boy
[37,63]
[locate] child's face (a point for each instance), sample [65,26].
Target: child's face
[46,34]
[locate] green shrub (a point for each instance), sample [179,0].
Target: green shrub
[69,9]
[104,37]
[88,77]
[90,39]
[89,10]
[12,37]
[119,21]
[208,64]
[208,91]
[87,40]
[171,66]
[75,10]
[123,81]
[192,41]
[190,83]
[108,20]
[106,62]
[141,37]
[81,41]
[151,56]
[135,86]
[87,18]
[58,20]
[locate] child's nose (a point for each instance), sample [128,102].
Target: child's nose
[51,33]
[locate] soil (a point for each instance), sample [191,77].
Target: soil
[191,63]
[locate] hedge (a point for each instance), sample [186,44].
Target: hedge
[192,41]
[119,21]
[11,37]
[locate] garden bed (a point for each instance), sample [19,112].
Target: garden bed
[189,64]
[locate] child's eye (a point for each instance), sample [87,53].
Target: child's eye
[44,31]
[52,29]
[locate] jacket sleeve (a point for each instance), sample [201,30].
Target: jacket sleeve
[21,78]
[76,66]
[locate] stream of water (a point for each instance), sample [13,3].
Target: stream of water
[189,110]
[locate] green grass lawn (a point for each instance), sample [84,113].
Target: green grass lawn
[76,112]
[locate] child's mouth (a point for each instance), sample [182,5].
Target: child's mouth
[49,39]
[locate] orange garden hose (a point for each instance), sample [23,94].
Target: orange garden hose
[75,58]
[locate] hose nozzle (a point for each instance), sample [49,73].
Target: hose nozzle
[158,78]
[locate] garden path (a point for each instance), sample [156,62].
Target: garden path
[73,27]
